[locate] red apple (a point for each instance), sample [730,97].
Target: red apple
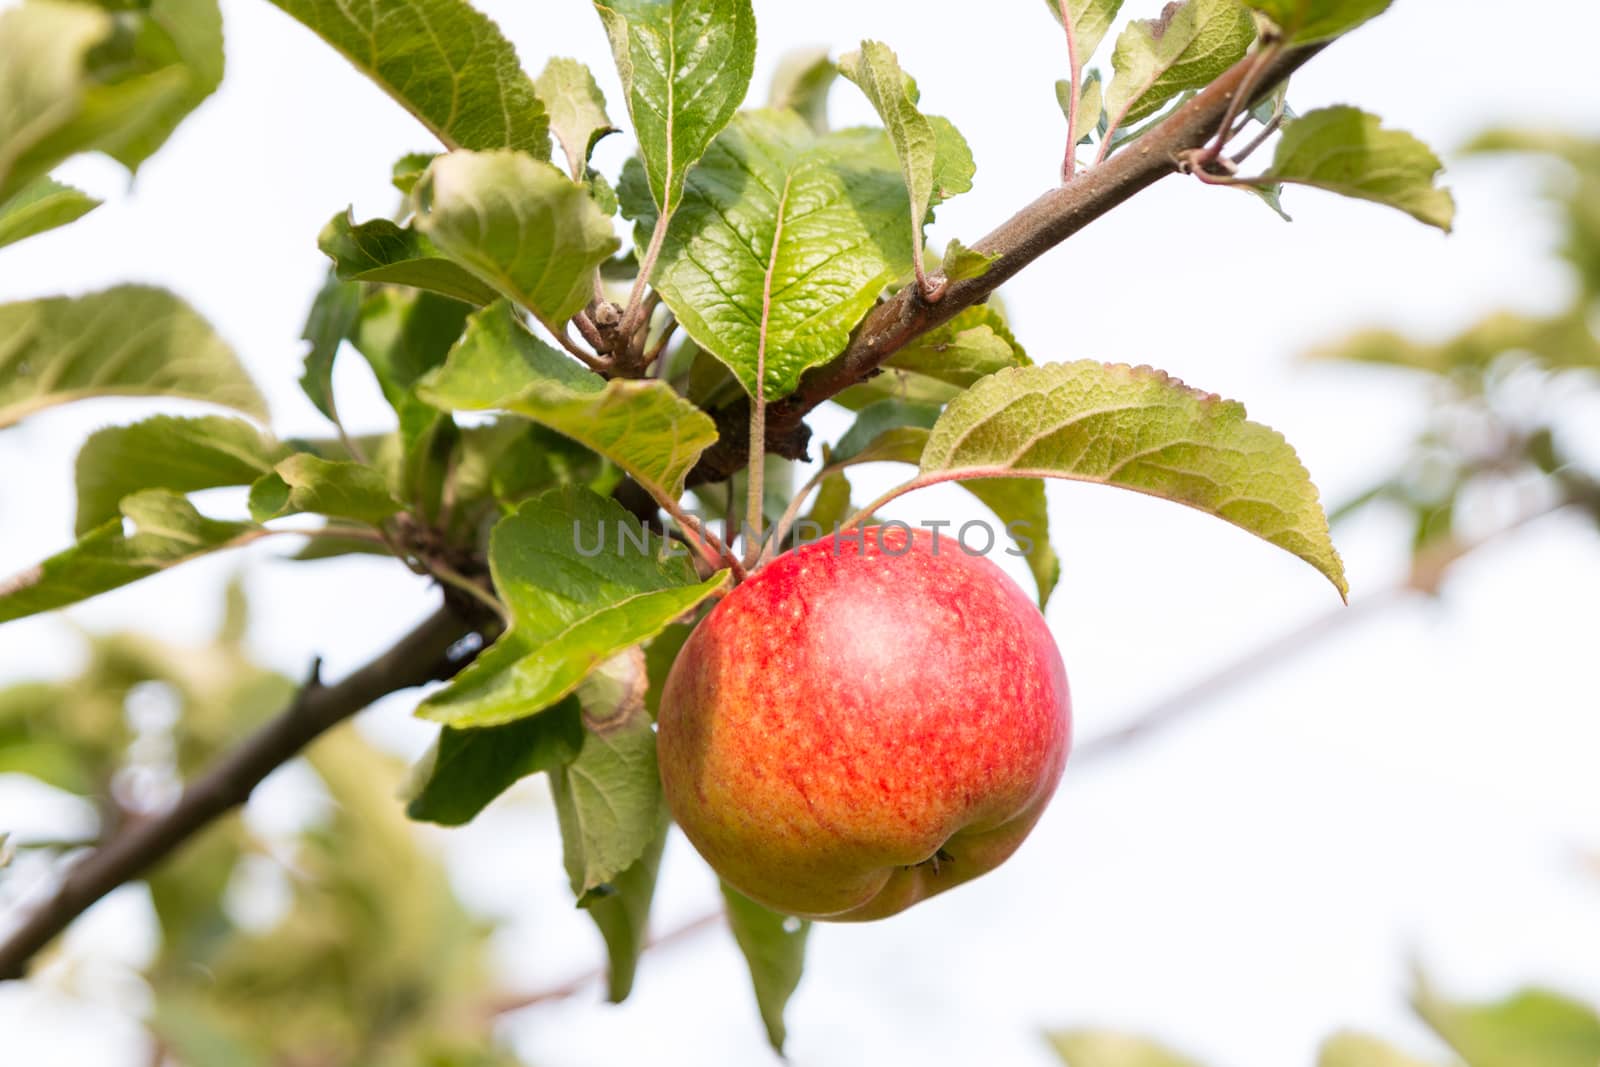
[859,726]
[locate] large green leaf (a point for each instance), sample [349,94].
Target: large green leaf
[922,151]
[70,83]
[774,947]
[685,67]
[466,769]
[1139,429]
[41,205]
[1359,1050]
[577,110]
[382,251]
[158,529]
[1090,21]
[1304,21]
[608,799]
[1346,150]
[1101,1048]
[1188,46]
[519,224]
[338,489]
[575,601]
[127,341]
[784,241]
[179,454]
[642,426]
[1534,1028]
[441,60]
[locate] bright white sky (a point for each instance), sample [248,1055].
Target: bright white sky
[1419,787]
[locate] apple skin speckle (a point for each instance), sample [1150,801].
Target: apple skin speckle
[862,725]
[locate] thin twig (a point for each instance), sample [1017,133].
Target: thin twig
[1267,130]
[576,984]
[419,657]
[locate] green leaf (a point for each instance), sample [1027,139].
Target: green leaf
[1534,1028]
[1099,1048]
[642,426]
[685,67]
[70,87]
[1566,342]
[158,529]
[774,947]
[784,241]
[1090,21]
[608,799]
[381,251]
[1305,21]
[659,655]
[1020,504]
[1139,429]
[43,204]
[1091,105]
[127,341]
[1345,150]
[962,263]
[466,769]
[801,83]
[894,430]
[189,33]
[178,454]
[408,170]
[832,504]
[623,913]
[972,345]
[332,318]
[441,60]
[577,110]
[893,94]
[1359,1050]
[574,603]
[1186,48]
[403,334]
[336,488]
[519,224]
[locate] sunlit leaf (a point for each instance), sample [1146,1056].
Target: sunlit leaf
[1347,151]
[338,489]
[577,110]
[1189,45]
[441,60]
[575,602]
[41,205]
[1101,1048]
[1534,1028]
[1304,21]
[1139,429]
[380,251]
[801,84]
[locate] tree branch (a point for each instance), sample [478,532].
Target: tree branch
[1017,242]
[419,657]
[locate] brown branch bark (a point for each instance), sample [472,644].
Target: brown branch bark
[1018,241]
[420,656]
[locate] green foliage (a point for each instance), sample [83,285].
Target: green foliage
[157,529]
[801,84]
[41,205]
[1139,429]
[67,348]
[1305,21]
[685,67]
[338,489]
[1345,150]
[467,769]
[783,243]
[774,946]
[165,452]
[1090,20]
[1534,1028]
[519,224]
[1189,45]
[79,79]
[381,251]
[643,427]
[1350,1049]
[571,610]
[332,318]
[442,61]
